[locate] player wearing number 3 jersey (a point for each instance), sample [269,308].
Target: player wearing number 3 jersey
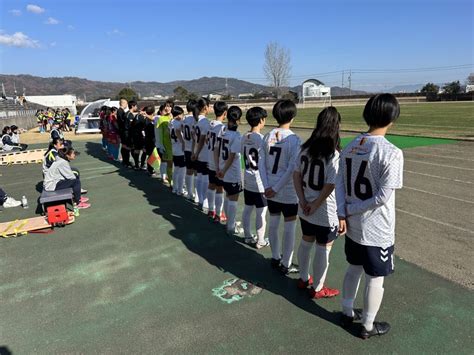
[281,148]
[371,169]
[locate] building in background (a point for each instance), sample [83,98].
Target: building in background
[55,101]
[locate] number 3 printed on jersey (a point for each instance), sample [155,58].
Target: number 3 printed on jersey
[251,158]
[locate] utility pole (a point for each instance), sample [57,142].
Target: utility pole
[226,87]
[342,83]
[350,82]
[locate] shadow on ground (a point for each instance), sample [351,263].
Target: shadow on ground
[210,241]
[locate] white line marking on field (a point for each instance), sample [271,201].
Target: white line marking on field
[439,195]
[442,165]
[93,177]
[438,177]
[436,221]
[436,155]
[100,168]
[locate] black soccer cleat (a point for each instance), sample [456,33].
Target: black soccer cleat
[275,263]
[293,269]
[347,321]
[380,328]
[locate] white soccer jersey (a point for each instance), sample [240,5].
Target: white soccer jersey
[188,132]
[281,148]
[201,128]
[316,174]
[230,143]
[215,131]
[174,127]
[251,152]
[367,164]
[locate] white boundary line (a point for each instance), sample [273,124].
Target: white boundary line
[443,165]
[436,221]
[407,152]
[439,195]
[438,177]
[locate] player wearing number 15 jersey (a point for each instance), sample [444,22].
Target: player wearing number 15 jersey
[315,179]
[371,169]
[229,166]
[281,148]
[253,185]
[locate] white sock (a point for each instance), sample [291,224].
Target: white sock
[231,213]
[246,220]
[304,252]
[198,184]
[372,300]
[320,265]
[261,224]
[163,167]
[204,185]
[181,173]
[219,203]
[288,242]
[226,201]
[273,236]
[350,287]
[211,199]
[190,185]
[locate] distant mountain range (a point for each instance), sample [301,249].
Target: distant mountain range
[92,90]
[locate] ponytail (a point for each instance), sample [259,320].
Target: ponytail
[200,104]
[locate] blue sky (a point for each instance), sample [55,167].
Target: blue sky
[171,40]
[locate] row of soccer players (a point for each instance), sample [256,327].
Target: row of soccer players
[292,179]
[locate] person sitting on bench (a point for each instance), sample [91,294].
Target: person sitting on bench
[60,176]
[16,137]
[7,144]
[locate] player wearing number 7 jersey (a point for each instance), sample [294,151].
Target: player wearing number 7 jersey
[371,169]
[281,148]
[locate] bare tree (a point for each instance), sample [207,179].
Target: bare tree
[277,66]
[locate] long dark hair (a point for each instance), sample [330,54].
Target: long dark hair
[324,140]
[200,104]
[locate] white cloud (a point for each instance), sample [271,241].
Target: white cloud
[34,9]
[115,32]
[18,39]
[71,28]
[15,12]
[51,21]
[53,44]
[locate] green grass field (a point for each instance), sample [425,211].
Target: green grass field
[443,119]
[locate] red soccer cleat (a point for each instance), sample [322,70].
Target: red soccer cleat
[325,292]
[304,284]
[211,215]
[84,199]
[223,218]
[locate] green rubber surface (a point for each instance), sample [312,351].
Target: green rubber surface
[136,272]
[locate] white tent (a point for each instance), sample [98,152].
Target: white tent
[89,118]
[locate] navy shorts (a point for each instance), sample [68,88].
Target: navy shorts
[232,188]
[287,209]
[201,167]
[256,199]
[178,161]
[376,261]
[213,179]
[322,234]
[188,161]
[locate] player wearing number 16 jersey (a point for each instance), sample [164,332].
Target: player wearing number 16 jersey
[315,179]
[371,169]
[281,148]
[253,185]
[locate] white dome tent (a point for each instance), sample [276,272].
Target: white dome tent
[89,118]
[315,89]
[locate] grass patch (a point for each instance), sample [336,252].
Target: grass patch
[403,142]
